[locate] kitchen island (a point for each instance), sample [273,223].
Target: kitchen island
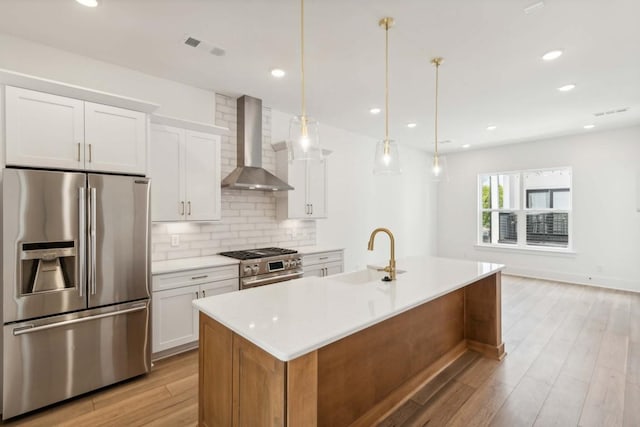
[342,350]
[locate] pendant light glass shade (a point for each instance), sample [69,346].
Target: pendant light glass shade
[387,161]
[387,158]
[439,169]
[304,140]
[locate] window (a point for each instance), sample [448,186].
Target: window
[523,209]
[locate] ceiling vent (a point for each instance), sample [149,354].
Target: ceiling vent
[190,41]
[610,112]
[204,46]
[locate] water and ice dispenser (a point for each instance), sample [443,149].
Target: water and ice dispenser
[47,267]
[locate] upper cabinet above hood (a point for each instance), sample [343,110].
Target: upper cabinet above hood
[249,175]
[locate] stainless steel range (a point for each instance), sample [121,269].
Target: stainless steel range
[265,266]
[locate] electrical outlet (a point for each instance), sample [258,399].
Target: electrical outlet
[175,240]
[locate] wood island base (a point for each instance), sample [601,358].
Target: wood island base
[355,381]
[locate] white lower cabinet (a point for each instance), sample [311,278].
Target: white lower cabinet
[322,264]
[174,319]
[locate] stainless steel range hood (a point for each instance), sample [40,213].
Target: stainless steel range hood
[249,175]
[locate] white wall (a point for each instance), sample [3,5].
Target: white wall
[176,99]
[360,201]
[606,223]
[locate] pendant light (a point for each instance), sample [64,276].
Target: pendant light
[387,159]
[304,141]
[438,168]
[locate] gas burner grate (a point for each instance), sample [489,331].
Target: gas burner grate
[258,253]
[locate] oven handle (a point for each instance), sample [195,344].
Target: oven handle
[275,279]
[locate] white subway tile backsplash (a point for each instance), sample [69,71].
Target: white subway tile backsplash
[242,227]
[248,217]
[190,253]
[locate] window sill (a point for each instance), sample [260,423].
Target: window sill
[517,249]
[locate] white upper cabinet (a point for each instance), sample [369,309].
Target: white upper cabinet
[308,199]
[185,172]
[202,180]
[115,139]
[52,131]
[43,130]
[166,170]
[317,187]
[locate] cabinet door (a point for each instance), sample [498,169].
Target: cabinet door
[333,268]
[173,318]
[167,173]
[115,139]
[219,287]
[43,130]
[314,270]
[317,188]
[216,288]
[297,198]
[202,172]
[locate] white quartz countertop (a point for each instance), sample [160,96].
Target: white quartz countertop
[289,319]
[183,264]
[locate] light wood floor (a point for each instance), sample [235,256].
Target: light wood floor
[573,359]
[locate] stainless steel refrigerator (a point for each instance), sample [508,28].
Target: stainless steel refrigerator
[75,270]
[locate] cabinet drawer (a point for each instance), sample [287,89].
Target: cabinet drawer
[322,258]
[194,277]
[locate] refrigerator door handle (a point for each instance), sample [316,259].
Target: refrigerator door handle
[27,329]
[82,240]
[92,238]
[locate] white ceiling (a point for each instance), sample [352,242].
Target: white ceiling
[492,73]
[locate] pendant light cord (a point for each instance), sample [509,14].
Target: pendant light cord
[436,109]
[437,62]
[304,109]
[386,84]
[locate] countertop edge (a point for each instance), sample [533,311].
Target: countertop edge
[197,263]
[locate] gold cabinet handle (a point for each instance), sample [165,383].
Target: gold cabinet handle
[90,153]
[78,151]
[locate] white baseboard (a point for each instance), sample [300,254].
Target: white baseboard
[603,282]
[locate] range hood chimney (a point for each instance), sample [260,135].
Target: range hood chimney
[249,175]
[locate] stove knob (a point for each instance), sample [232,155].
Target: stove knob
[255,269]
[299,262]
[288,264]
[247,271]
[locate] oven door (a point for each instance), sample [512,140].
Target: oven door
[268,279]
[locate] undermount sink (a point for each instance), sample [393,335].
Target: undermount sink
[371,274]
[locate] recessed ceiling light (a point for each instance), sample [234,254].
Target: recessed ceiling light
[88,3]
[375,110]
[492,127]
[589,126]
[278,73]
[466,146]
[552,54]
[412,125]
[567,88]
